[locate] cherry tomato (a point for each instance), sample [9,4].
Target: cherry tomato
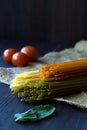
[20,59]
[7,54]
[31,51]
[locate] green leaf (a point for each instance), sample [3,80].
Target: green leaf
[36,113]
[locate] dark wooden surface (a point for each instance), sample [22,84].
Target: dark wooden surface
[66,117]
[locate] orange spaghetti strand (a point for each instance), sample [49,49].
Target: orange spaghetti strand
[63,70]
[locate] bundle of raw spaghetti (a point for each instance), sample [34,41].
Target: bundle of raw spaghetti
[63,70]
[51,81]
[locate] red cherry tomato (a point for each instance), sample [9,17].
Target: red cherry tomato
[20,59]
[31,51]
[7,54]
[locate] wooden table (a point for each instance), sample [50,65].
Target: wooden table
[66,117]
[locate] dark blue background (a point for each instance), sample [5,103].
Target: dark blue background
[59,21]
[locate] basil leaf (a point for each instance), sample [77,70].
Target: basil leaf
[36,113]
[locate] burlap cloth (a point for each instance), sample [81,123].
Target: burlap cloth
[77,52]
